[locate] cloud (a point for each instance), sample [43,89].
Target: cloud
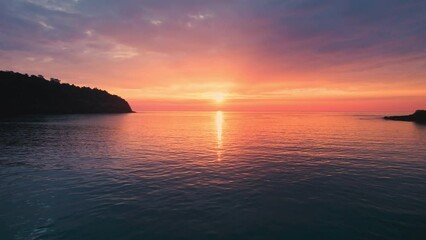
[286,44]
[66,6]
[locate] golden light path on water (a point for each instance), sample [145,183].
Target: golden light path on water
[219,129]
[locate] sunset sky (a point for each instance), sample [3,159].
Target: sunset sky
[236,55]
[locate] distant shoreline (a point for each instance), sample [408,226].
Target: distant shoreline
[419,117]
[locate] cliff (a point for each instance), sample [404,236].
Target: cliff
[419,117]
[24,94]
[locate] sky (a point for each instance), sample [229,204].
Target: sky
[256,55]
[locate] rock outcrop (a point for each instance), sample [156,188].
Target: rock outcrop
[419,117]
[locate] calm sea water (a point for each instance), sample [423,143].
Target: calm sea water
[212,176]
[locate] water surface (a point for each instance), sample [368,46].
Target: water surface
[212,175]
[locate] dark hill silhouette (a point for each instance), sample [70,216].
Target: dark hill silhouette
[24,94]
[419,117]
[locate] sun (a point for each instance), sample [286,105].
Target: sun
[219,97]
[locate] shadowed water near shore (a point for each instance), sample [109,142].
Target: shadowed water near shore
[212,175]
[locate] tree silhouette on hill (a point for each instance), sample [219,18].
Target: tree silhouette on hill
[24,94]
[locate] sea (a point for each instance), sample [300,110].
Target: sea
[212,175]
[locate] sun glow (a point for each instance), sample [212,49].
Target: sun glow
[218,97]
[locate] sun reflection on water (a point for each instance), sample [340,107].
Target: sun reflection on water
[219,129]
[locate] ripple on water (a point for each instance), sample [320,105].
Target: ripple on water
[212,175]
